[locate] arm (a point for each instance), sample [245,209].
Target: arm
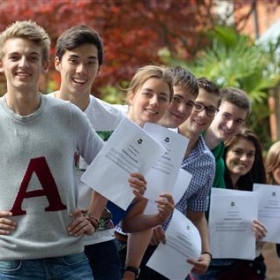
[137,244]
[199,220]
[86,222]
[136,221]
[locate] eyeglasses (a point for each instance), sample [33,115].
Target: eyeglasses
[211,111]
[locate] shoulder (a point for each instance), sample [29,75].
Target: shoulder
[104,106]
[218,151]
[61,107]
[204,151]
[99,109]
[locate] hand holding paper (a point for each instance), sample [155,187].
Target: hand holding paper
[127,151]
[230,224]
[269,210]
[182,243]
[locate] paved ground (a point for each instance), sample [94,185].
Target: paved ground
[272,262]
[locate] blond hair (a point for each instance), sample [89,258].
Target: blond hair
[272,161]
[150,71]
[28,30]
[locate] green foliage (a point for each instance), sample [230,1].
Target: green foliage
[234,60]
[112,95]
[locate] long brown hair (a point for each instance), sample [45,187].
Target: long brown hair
[257,172]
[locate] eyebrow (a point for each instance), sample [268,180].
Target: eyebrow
[178,95]
[77,56]
[32,53]
[238,119]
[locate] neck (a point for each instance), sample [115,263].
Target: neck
[210,139]
[131,117]
[234,179]
[23,104]
[81,101]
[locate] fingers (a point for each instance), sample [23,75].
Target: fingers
[80,225]
[200,266]
[154,241]
[138,176]
[138,183]
[166,198]
[6,224]
[159,235]
[165,205]
[259,230]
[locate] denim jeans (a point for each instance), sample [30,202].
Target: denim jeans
[104,260]
[220,267]
[216,268]
[71,267]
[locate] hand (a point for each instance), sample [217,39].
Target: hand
[158,236]
[80,225]
[165,206]
[201,265]
[259,230]
[138,183]
[6,225]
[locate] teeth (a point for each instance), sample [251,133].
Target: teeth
[23,74]
[151,111]
[200,123]
[80,81]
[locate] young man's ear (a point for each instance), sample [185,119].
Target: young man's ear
[57,63]
[46,65]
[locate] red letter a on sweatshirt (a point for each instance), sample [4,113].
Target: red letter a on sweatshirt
[49,187]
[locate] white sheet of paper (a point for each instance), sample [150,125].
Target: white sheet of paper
[162,176]
[128,150]
[182,242]
[230,224]
[181,184]
[269,210]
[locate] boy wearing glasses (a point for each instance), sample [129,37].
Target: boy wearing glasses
[233,111]
[199,161]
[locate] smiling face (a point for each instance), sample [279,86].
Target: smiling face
[179,108]
[22,65]
[228,121]
[240,157]
[198,122]
[149,102]
[78,69]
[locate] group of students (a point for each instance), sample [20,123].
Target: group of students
[52,226]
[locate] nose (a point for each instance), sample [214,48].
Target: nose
[154,100]
[80,68]
[182,108]
[243,157]
[230,124]
[23,62]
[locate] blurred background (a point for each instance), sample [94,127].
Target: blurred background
[231,42]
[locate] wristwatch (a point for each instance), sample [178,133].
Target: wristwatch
[135,270]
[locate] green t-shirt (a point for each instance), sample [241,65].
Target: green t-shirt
[218,153]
